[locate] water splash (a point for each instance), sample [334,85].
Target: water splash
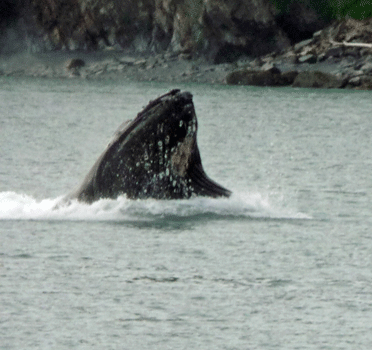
[14,206]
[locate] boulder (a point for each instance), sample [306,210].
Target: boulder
[353,52]
[288,78]
[355,81]
[317,79]
[367,68]
[335,52]
[366,83]
[251,77]
[272,77]
[75,63]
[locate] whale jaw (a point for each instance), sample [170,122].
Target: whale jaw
[154,156]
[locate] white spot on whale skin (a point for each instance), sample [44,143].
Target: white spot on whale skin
[181,123]
[167,172]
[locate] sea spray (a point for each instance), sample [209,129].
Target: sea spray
[14,206]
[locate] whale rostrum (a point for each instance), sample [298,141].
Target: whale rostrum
[154,156]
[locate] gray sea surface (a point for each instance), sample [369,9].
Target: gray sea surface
[285,263]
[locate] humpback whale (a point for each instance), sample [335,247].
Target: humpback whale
[154,156]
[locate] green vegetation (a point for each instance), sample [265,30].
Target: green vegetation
[357,9]
[331,9]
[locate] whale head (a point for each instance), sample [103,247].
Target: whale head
[154,156]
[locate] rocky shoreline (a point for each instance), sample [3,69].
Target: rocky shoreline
[115,65]
[339,56]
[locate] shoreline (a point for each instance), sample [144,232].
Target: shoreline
[178,68]
[338,56]
[114,65]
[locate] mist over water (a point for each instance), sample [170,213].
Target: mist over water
[284,263]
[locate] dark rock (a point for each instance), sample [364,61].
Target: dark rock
[260,78]
[274,70]
[250,77]
[322,57]
[257,62]
[367,68]
[298,20]
[334,52]
[317,79]
[355,81]
[358,66]
[365,52]
[288,78]
[352,52]
[75,63]
[360,82]
[366,83]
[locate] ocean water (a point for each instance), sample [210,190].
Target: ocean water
[285,263]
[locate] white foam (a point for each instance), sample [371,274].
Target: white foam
[14,206]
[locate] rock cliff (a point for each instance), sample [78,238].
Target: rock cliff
[220,29]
